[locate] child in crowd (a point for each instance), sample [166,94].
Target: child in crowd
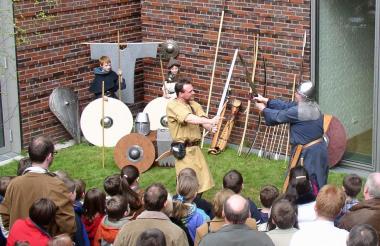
[129,188]
[268,194]
[352,185]
[184,210]
[110,78]
[23,164]
[111,185]
[80,236]
[117,211]
[4,182]
[93,211]
[151,237]
[199,201]
[80,191]
[34,229]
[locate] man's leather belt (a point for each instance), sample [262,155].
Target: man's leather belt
[191,144]
[312,143]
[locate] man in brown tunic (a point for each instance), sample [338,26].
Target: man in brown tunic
[184,117]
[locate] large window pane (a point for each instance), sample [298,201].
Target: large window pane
[346,70]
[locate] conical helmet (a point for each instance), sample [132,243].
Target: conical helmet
[306,89]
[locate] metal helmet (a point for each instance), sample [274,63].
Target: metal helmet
[306,89]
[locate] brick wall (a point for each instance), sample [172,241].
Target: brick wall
[53,56]
[194,24]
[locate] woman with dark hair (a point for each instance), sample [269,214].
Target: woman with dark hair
[151,237]
[129,188]
[34,229]
[301,193]
[93,211]
[282,223]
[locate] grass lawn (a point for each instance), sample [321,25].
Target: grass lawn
[84,161]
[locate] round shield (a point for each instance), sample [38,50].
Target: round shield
[337,141]
[156,111]
[135,149]
[169,49]
[117,121]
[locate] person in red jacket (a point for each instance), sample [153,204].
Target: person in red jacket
[34,229]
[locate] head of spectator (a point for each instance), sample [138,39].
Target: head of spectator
[168,208]
[129,177]
[80,189]
[363,235]
[94,203]
[70,187]
[186,172]
[219,200]
[187,188]
[268,194]
[151,237]
[283,215]
[22,243]
[23,164]
[352,184]
[41,151]
[372,186]
[155,197]
[42,212]
[61,240]
[111,185]
[116,208]
[299,184]
[236,210]
[329,203]
[4,182]
[233,180]
[61,174]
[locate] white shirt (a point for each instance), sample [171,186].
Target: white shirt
[319,233]
[306,213]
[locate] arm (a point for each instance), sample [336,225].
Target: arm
[65,217]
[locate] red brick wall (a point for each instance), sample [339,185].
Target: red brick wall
[194,25]
[53,55]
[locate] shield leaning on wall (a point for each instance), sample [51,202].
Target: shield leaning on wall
[63,102]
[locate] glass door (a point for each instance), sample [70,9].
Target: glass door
[345,48]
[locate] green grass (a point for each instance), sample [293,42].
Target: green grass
[85,162]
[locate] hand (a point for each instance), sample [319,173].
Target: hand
[119,72]
[259,98]
[260,106]
[215,121]
[214,128]
[105,98]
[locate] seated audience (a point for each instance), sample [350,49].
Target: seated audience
[61,240]
[155,198]
[268,194]
[367,211]
[363,235]
[116,217]
[218,221]
[236,232]
[199,201]
[322,231]
[301,192]
[151,237]
[129,188]
[34,229]
[233,180]
[80,191]
[282,223]
[184,210]
[93,211]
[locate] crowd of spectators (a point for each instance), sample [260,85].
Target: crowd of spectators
[38,207]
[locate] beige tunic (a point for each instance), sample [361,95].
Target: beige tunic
[181,131]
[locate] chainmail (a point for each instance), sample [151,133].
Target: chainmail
[308,110]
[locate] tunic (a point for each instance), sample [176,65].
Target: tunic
[306,125]
[182,131]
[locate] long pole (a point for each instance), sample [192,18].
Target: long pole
[103,135]
[213,73]
[119,69]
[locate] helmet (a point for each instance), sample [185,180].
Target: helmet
[306,89]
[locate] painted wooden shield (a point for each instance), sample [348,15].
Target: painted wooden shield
[336,137]
[135,149]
